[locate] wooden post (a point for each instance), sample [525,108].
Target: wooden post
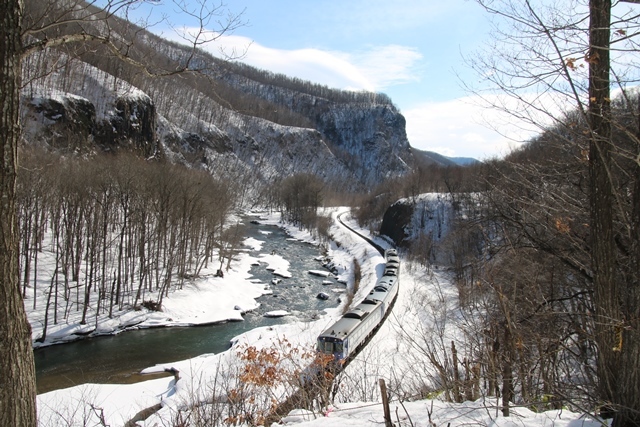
[457,397]
[385,403]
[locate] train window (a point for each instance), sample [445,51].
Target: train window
[338,347]
[328,347]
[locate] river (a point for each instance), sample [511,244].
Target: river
[119,358]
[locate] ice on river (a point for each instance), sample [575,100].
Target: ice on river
[277,313]
[321,273]
[277,264]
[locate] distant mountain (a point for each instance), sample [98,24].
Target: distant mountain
[227,118]
[464,161]
[431,158]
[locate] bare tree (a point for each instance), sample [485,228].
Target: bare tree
[564,53]
[17,374]
[300,197]
[50,24]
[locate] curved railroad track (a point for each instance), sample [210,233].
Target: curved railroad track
[321,383]
[371,242]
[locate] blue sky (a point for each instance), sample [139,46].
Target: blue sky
[412,50]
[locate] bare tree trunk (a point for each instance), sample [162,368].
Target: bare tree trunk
[457,397]
[26,250]
[507,373]
[629,332]
[17,372]
[606,296]
[48,304]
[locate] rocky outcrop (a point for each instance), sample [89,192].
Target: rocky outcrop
[423,225]
[63,122]
[131,126]
[369,138]
[396,220]
[373,135]
[68,122]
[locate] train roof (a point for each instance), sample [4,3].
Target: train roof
[362,310]
[387,281]
[378,296]
[356,313]
[382,287]
[350,320]
[393,262]
[341,329]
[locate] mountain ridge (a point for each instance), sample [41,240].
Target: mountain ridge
[224,116]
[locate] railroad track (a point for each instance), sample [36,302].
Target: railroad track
[365,238]
[319,381]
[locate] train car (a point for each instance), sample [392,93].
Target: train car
[392,263]
[387,280]
[390,272]
[344,337]
[384,295]
[348,333]
[391,255]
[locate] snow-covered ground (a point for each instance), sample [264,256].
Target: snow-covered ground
[433,413]
[426,309]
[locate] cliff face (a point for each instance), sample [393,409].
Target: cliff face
[366,134]
[69,123]
[132,126]
[423,225]
[373,135]
[396,221]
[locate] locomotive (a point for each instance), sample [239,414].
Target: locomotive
[344,337]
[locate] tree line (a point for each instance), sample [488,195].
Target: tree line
[109,233]
[295,84]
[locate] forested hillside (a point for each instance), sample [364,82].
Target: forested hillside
[192,108]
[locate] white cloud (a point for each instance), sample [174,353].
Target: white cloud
[373,69]
[466,127]
[389,65]
[333,69]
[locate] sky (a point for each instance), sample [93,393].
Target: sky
[411,50]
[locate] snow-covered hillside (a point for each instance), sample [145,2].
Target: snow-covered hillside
[84,108]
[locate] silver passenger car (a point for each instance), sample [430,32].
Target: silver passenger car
[344,336]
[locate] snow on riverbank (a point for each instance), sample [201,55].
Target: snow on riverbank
[389,355]
[434,413]
[206,300]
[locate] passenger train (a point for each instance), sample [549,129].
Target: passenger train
[343,338]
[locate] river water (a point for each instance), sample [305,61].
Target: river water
[119,358]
